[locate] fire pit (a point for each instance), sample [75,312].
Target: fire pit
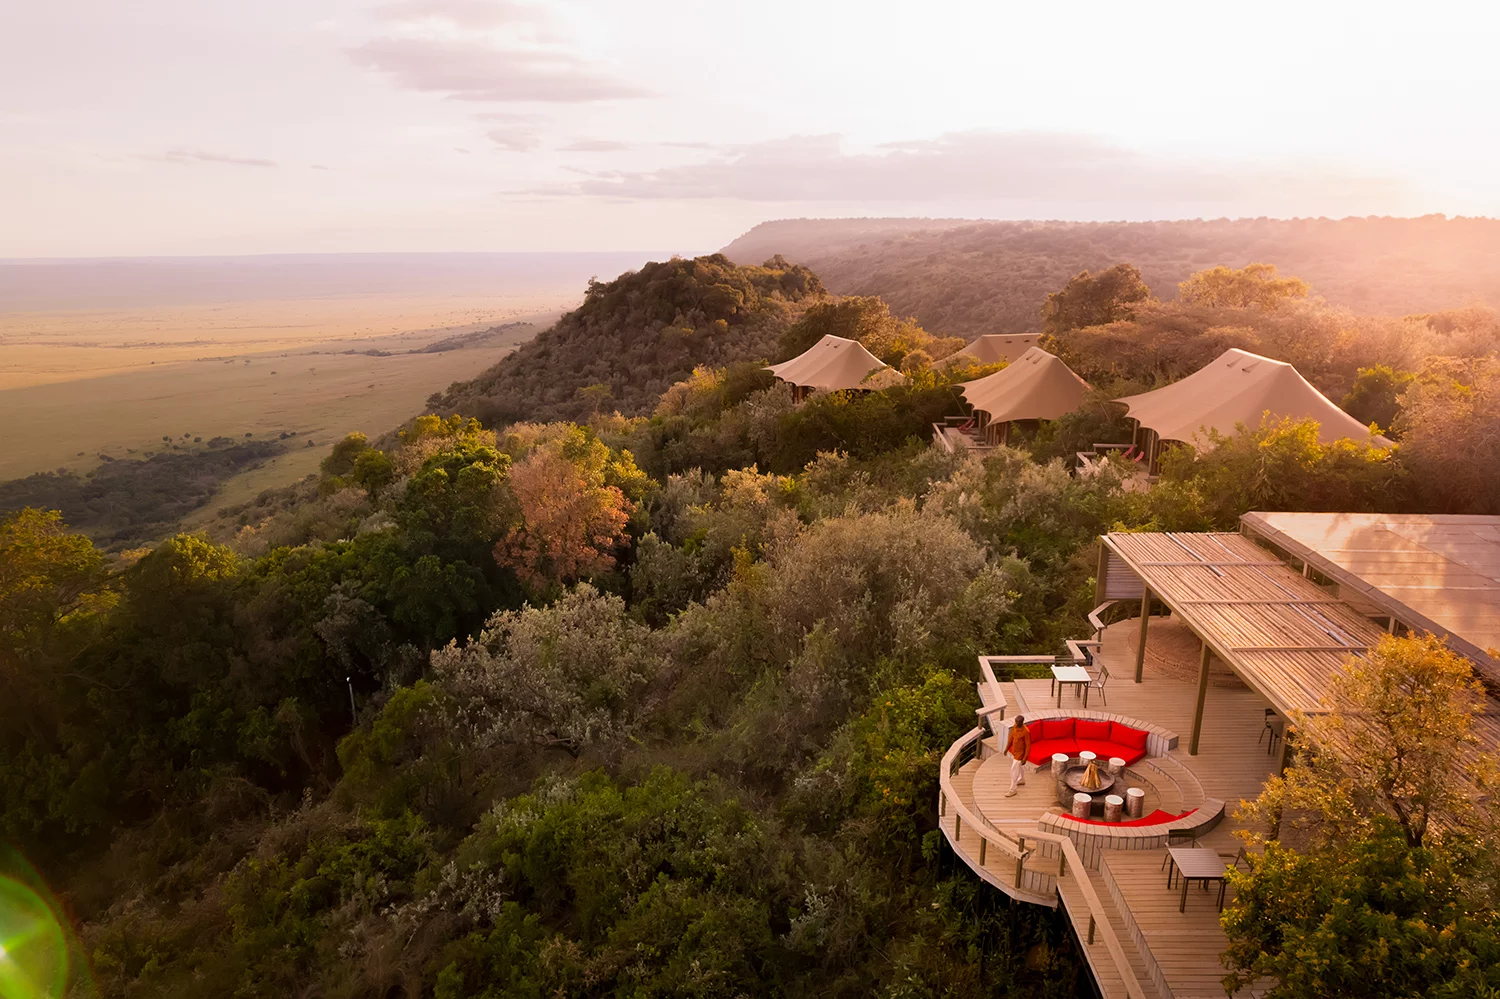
[1091,779]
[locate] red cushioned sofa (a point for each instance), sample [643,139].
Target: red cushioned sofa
[1074,735]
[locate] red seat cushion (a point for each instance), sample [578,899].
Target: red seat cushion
[1057,728]
[1130,738]
[1130,756]
[1035,728]
[1100,748]
[1156,818]
[1087,728]
[1042,751]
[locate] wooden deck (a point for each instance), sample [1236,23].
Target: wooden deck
[1170,954]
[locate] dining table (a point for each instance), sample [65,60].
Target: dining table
[1071,676]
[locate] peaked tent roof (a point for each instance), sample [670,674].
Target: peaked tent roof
[1037,386]
[835,363]
[993,348]
[1239,387]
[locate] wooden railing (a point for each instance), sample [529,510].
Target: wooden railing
[964,819]
[952,809]
[1099,923]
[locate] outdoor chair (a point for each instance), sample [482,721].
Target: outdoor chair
[1274,728]
[1177,837]
[1099,681]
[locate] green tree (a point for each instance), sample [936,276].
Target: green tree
[1450,425]
[1398,745]
[1372,862]
[1252,286]
[1095,299]
[1376,395]
[1280,465]
[49,579]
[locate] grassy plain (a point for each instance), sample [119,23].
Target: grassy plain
[77,384]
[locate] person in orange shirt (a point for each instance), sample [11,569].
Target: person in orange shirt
[1018,747]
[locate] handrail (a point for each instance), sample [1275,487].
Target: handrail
[1016,849]
[940,438]
[961,812]
[1096,620]
[1096,912]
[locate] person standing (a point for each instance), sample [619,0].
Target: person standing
[1018,748]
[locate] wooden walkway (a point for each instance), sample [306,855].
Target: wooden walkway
[1181,948]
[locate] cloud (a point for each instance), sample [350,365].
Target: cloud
[464,13]
[199,156]
[513,132]
[1066,173]
[479,51]
[594,146]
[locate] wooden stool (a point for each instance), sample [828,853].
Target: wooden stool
[1135,802]
[1082,803]
[1113,805]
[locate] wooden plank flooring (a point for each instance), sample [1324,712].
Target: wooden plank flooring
[1101,962]
[1182,948]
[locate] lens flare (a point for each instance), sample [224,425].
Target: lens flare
[33,945]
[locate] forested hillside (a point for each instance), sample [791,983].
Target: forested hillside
[969,278]
[634,336]
[653,705]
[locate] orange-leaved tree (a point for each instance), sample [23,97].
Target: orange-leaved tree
[572,510]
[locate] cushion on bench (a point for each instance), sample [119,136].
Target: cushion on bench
[1124,735]
[1057,728]
[1087,728]
[1156,818]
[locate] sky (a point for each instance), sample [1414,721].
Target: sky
[165,127]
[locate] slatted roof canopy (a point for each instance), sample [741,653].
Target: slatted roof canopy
[1282,634]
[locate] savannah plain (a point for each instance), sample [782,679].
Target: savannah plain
[105,360]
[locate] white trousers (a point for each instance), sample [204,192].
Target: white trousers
[1017,773]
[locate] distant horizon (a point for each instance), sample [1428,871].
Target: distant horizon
[665,253]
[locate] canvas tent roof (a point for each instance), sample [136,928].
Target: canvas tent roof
[1239,387]
[834,363]
[993,348]
[1038,386]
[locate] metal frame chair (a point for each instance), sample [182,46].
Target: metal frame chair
[1099,681]
[1176,837]
[1275,727]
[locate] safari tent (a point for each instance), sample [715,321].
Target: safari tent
[1237,387]
[1036,386]
[835,363]
[992,348]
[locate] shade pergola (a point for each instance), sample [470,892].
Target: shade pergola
[1237,387]
[833,364]
[1283,635]
[992,348]
[1037,386]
